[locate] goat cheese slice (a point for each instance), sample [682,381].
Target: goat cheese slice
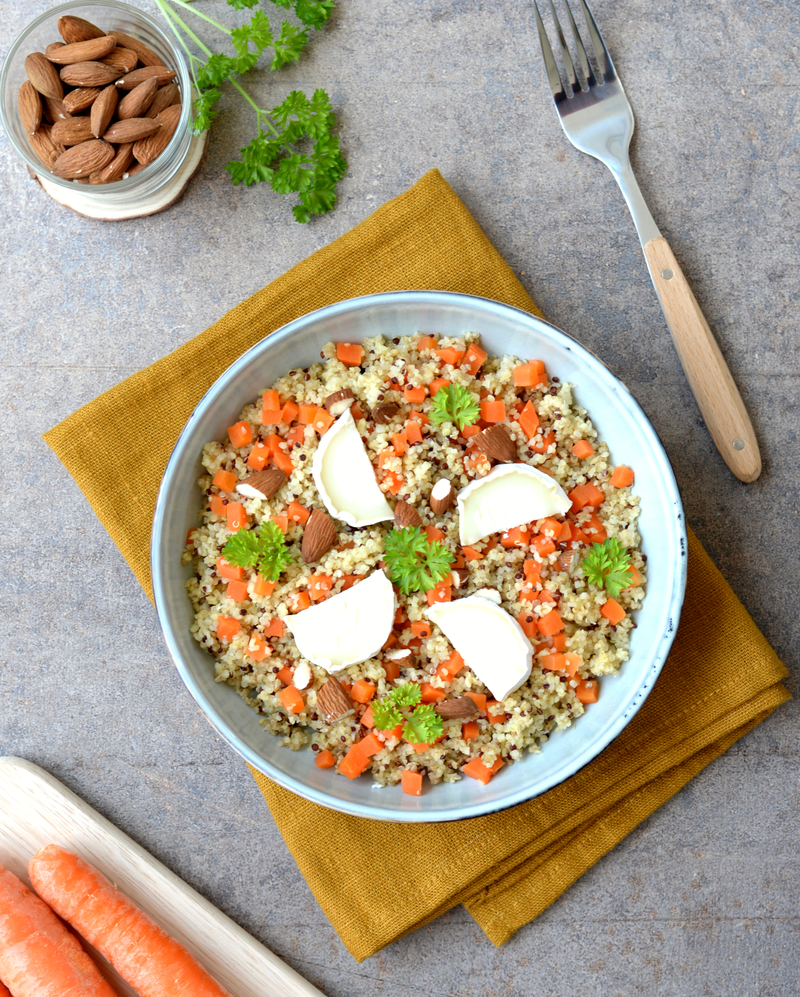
[489,639]
[347,628]
[345,478]
[509,495]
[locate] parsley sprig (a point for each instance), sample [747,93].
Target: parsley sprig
[608,565]
[415,563]
[454,404]
[294,149]
[264,549]
[422,726]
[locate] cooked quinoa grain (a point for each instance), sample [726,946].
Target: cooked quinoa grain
[255,658]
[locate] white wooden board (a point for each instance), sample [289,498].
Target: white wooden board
[37,810]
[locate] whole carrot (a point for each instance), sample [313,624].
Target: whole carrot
[143,954]
[38,956]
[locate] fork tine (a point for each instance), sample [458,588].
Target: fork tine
[599,46]
[585,65]
[572,79]
[553,77]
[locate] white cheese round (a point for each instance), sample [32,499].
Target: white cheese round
[345,478]
[347,628]
[510,495]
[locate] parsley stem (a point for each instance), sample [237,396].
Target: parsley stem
[168,10]
[192,57]
[197,13]
[259,111]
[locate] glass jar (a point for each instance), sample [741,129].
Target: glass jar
[132,195]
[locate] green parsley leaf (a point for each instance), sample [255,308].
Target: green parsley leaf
[313,13]
[385,714]
[607,564]
[204,110]
[414,563]
[454,404]
[242,4]
[264,549]
[218,68]
[406,694]
[288,45]
[423,726]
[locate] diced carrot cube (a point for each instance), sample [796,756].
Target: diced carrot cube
[419,748]
[237,591]
[237,517]
[385,456]
[285,675]
[367,719]
[292,699]
[271,400]
[529,420]
[306,413]
[356,412]
[554,662]
[438,384]
[450,355]
[442,593]
[263,587]
[426,343]
[297,437]
[226,480]
[542,444]
[282,522]
[348,581]
[493,411]
[543,545]
[474,358]
[528,623]
[399,443]
[550,526]
[394,481]
[583,495]
[414,395]
[517,536]
[429,694]
[550,624]
[413,432]
[448,670]
[483,773]
[612,611]
[230,571]
[324,759]
[240,434]
[227,627]
[350,354]
[470,730]
[354,762]
[588,691]
[636,578]
[391,669]
[572,662]
[495,712]
[298,601]
[434,534]
[558,641]
[270,417]
[362,691]
[258,648]
[595,530]
[319,586]
[532,570]
[289,412]
[419,417]
[583,449]
[259,457]
[411,783]
[274,628]
[565,533]
[283,462]
[323,421]
[479,699]
[469,431]
[475,461]
[471,554]
[530,375]
[621,477]
[421,629]
[297,513]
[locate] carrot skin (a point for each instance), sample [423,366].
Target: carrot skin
[143,954]
[39,957]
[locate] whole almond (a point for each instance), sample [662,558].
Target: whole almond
[136,168]
[568,560]
[44,75]
[385,412]
[80,98]
[124,60]
[117,168]
[75,29]
[54,109]
[442,496]
[52,48]
[103,110]
[131,80]
[151,148]
[88,74]
[262,484]
[318,537]
[72,131]
[88,51]
[333,701]
[165,97]
[135,103]
[45,148]
[147,56]
[496,443]
[30,107]
[452,709]
[132,130]
[83,160]
[406,515]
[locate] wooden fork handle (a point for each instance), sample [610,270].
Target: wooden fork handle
[711,382]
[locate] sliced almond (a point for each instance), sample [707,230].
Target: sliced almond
[54,109]
[148,149]
[147,56]
[442,496]
[496,443]
[568,560]
[136,103]
[117,168]
[406,515]
[80,98]
[339,402]
[302,676]
[383,413]
[131,80]
[457,709]
[460,577]
[165,97]
[318,537]
[76,29]
[86,51]
[262,484]
[88,74]
[83,160]
[124,60]
[29,103]
[132,130]
[45,148]
[103,110]
[333,701]
[44,75]
[402,655]
[72,131]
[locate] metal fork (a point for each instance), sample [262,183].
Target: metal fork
[598,120]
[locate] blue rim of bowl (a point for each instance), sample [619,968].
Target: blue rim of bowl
[637,697]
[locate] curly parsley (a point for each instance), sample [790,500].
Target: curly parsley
[454,404]
[264,549]
[414,563]
[422,726]
[608,565]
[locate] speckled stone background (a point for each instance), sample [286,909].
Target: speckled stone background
[703,897]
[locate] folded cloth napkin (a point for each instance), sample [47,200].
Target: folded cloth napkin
[721,679]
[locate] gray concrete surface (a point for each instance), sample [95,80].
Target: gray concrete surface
[703,897]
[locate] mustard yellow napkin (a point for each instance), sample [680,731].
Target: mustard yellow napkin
[721,679]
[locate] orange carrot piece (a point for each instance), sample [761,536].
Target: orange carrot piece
[298,601]
[483,773]
[528,623]
[517,536]
[259,457]
[399,443]
[240,434]
[236,590]
[426,343]
[274,628]
[319,586]
[419,417]
[448,670]
[271,400]
[437,385]
[292,699]
[470,730]
[450,355]
[362,691]
[594,530]
[433,533]
[298,513]
[469,431]
[413,432]
[285,675]
[227,627]
[550,624]
[226,480]
[350,354]
[430,695]
[613,612]
[471,554]
[588,691]
[530,375]
[282,461]
[229,571]
[583,495]
[572,662]
[39,956]
[258,648]
[306,413]
[357,758]
[421,629]
[263,587]
[411,783]
[583,449]
[551,527]
[273,443]
[495,712]
[391,669]
[297,437]
[367,720]
[493,411]
[237,517]
[385,456]
[543,545]
[218,505]
[636,578]
[474,358]
[414,396]
[282,522]
[323,421]
[532,570]
[325,759]
[348,581]
[270,417]
[442,593]
[394,481]
[554,662]
[479,699]
[541,444]
[144,955]
[289,412]
[621,477]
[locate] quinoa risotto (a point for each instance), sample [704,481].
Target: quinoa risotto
[576,627]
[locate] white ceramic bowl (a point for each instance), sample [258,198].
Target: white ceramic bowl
[620,422]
